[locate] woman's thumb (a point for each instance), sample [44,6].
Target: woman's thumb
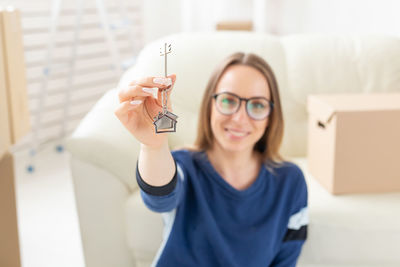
[173,77]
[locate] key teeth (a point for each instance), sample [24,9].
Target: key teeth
[167,49]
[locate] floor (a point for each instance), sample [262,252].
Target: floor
[47,217]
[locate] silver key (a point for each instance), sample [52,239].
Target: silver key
[165,121]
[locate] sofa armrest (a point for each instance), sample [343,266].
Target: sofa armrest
[100,200]
[101,139]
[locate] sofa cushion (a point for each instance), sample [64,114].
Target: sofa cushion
[354,229]
[144,229]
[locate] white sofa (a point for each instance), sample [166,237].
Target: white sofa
[349,230]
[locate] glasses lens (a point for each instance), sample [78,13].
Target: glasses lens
[227,104]
[258,109]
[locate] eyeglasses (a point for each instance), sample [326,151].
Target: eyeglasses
[258,108]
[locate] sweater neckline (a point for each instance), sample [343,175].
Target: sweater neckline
[255,186]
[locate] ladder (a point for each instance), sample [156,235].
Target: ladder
[117,65]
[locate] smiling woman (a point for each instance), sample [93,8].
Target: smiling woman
[249,76]
[232,200]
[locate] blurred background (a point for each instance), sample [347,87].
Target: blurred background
[89,59]
[75,51]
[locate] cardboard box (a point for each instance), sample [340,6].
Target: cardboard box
[5,138]
[9,240]
[14,80]
[14,124]
[354,142]
[234,26]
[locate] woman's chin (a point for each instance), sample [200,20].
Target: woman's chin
[235,147]
[234,143]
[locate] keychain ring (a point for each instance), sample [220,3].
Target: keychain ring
[168,89]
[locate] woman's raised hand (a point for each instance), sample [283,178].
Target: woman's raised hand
[138,107]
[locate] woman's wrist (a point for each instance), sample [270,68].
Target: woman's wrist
[156,164]
[154,148]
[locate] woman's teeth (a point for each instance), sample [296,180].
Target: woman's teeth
[238,134]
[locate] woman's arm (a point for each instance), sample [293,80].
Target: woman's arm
[296,233]
[156,165]
[288,254]
[160,181]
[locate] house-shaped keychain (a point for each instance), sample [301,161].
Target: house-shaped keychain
[165,122]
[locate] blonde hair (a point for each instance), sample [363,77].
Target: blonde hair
[269,144]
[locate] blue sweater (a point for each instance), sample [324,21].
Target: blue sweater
[207,222]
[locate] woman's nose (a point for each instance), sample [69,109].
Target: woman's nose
[241,114]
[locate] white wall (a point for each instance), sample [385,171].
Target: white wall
[160,18]
[352,16]
[163,17]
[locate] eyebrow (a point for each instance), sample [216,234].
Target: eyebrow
[241,96]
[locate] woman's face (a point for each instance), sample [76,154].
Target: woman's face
[238,132]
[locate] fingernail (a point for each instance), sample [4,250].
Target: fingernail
[136,102]
[163,81]
[150,90]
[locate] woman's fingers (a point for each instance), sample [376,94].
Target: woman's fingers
[126,106]
[135,91]
[173,77]
[143,88]
[160,82]
[169,88]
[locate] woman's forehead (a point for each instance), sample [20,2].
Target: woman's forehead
[244,81]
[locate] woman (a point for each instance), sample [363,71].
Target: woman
[233,200]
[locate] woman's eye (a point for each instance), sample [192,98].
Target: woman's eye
[257,105]
[228,101]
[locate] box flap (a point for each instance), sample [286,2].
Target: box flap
[5,137]
[317,107]
[327,105]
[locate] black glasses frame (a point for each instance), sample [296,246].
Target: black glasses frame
[271,104]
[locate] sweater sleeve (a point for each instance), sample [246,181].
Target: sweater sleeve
[296,233]
[162,198]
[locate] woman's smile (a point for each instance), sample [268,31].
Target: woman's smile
[236,134]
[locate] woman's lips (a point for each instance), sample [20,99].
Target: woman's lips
[235,133]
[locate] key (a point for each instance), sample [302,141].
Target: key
[165,121]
